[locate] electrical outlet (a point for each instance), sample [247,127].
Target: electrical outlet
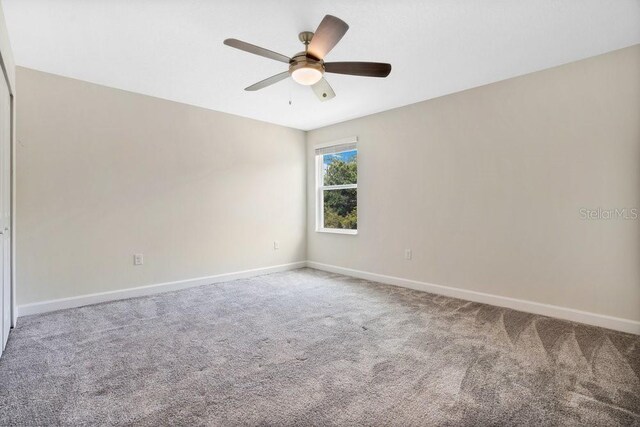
[407,254]
[276,245]
[138,259]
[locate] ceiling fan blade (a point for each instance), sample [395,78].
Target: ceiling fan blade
[328,34]
[323,90]
[257,50]
[268,81]
[367,69]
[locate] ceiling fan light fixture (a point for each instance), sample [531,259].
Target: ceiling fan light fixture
[307,68]
[306,76]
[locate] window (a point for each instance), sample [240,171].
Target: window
[337,187]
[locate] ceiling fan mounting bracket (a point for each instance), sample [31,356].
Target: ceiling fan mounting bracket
[305,37]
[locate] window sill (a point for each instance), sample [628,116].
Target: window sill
[337,231]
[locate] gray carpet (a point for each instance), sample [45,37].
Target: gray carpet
[313,348]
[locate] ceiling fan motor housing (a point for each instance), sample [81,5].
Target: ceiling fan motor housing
[301,60]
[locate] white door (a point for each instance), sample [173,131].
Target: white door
[5,208]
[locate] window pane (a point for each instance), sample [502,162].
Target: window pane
[340,168]
[341,209]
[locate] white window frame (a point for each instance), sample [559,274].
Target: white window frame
[321,188]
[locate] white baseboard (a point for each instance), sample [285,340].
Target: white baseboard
[81,300]
[615,323]
[609,322]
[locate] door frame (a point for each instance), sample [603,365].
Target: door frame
[12,186]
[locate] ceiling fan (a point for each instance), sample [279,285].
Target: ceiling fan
[307,68]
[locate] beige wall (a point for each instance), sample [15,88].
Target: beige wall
[486,186]
[104,174]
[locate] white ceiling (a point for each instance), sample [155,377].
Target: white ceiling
[173,49]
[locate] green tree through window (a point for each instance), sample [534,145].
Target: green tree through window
[340,205]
